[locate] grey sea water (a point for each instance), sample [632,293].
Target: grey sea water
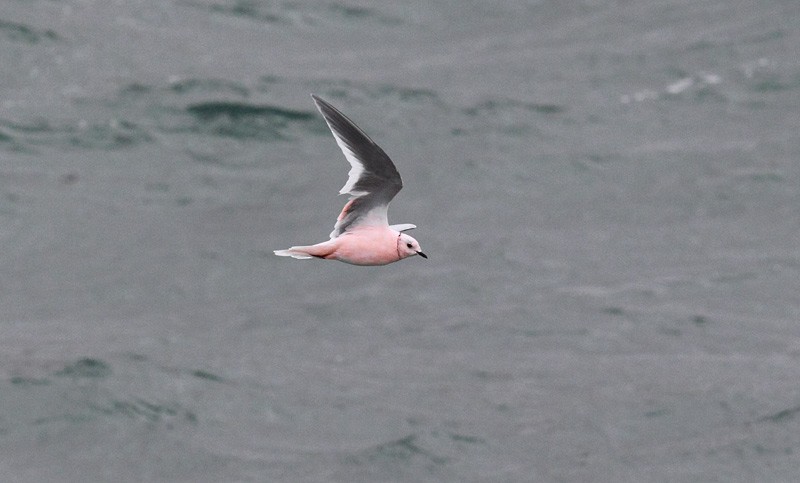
[609,193]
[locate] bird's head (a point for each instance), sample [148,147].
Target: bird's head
[407,246]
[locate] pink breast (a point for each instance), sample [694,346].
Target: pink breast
[367,246]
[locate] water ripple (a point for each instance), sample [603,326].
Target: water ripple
[242,120]
[298,13]
[19,32]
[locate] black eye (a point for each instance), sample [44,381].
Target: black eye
[408,245]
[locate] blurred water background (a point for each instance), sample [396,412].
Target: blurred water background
[608,191]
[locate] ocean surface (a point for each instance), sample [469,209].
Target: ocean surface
[608,191]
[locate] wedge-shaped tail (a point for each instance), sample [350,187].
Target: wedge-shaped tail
[293,254]
[320,250]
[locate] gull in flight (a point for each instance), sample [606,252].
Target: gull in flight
[362,234]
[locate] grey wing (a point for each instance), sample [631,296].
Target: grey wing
[373,179]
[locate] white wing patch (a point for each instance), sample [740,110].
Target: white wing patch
[357,167]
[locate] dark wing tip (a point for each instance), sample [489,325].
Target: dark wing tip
[339,122]
[325,107]
[379,169]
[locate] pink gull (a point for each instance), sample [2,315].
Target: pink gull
[362,234]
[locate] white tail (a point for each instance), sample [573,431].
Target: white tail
[294,254]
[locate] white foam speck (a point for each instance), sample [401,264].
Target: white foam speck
[680,86]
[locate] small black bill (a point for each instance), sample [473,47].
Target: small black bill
[422,255]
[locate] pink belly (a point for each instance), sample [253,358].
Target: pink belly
[367,246]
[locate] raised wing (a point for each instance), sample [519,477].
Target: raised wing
[373,179]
